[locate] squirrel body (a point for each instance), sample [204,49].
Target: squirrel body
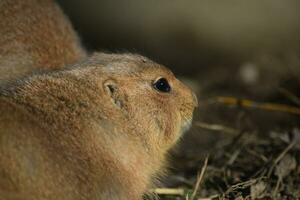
[35,35]
[97,130]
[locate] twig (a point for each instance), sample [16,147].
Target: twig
[285,151]
[263,106]
[276,187]
[233,157]
[169,191]
[199,179]
[216,127]
[241,185]
[281,155]
[261,156]
[292,97]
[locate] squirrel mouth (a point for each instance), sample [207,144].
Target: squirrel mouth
[186,126]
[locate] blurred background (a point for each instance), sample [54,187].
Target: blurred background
[194,36]
[242,49]
[250,45]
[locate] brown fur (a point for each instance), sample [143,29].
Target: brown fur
[97,130]
[35,34]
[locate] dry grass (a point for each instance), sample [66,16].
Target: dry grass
[252,164]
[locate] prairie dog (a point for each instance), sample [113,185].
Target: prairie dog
[100,129]
[35,34]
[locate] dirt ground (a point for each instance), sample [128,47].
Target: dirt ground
[248,165]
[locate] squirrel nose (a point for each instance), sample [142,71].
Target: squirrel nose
[195,99]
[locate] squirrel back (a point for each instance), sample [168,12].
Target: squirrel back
[35,34]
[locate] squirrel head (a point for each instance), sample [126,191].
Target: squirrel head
[120,93]
[158,106]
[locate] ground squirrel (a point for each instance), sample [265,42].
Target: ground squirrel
[35,34]
[100,129]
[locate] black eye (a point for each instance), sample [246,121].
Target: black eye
[162,85]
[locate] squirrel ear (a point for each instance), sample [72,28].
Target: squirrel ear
[111,88]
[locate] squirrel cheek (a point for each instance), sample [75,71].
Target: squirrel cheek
[186,114]
[173,127]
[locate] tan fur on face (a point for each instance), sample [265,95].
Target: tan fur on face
[98,130]
[35,34]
